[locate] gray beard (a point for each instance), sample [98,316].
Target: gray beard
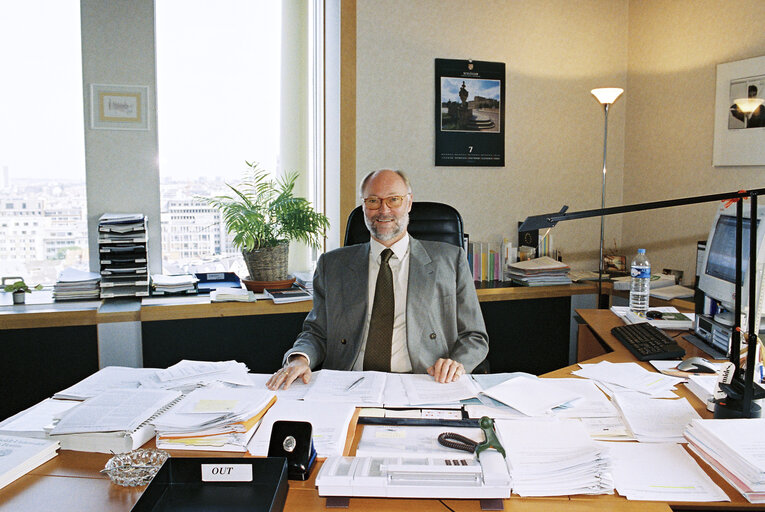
[384,237]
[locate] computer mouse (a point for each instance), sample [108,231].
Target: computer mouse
[654,315]
[697,365]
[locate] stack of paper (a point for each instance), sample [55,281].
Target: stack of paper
[613,377]
[539,272]
[703,386]
[735,449]
[180,284]
[19,456]
[73,284]
[655,420]
[232,295]
[657,281]
[554,458]
[188,375]
[37,420]
[215,418]
[109,377]
[660,472]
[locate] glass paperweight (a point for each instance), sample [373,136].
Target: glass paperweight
[135,468]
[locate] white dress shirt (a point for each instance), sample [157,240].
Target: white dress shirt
[399,265]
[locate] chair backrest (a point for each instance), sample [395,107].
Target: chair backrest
[427,221]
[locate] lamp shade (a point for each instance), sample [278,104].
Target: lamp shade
[607,95]
[748,105]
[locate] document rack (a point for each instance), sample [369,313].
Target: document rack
[179,486]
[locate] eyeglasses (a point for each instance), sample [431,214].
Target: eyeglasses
[374,202]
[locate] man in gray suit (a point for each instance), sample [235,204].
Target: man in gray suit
[394,304]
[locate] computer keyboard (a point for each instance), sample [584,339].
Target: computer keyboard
[647,342]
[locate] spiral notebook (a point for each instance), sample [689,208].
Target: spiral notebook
[115,421]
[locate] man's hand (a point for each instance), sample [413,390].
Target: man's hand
[296,368]
[446,370]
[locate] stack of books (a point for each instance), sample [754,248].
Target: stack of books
[73,284]
[293,294]
[122,246]
[305,279]
[554,458]
[733,448]
[486,260]
[216,418]
[542,271]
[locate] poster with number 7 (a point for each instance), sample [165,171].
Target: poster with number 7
[470,113]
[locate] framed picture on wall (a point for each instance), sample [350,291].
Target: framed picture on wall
[740,113]
[119,107]
[470,113]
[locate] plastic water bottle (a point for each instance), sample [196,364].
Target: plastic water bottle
[640,282]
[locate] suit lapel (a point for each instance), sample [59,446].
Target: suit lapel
[355,289]
[422,278]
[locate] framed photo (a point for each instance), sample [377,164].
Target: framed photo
[739,135]
[470,113]
[119,107]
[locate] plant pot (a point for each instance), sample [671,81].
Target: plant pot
[19,297]
[268,263]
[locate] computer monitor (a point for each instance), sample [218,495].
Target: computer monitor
[718,273]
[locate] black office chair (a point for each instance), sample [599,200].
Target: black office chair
[427,221]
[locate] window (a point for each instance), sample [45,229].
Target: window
[218,95]
[42,156]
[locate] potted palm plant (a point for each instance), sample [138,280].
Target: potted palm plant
[264,216]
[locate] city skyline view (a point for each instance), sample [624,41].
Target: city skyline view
[215,114]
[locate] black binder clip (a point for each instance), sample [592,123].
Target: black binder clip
[292,440]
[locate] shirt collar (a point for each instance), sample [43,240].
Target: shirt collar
[399,249]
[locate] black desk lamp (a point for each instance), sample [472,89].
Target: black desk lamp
[742,392]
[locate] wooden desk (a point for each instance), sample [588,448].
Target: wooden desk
[71,481]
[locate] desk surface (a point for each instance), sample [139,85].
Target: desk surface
[73,480]
[61,314]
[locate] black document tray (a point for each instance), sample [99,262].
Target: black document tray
[178,487]
[209,281]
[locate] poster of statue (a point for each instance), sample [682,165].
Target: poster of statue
[470,113]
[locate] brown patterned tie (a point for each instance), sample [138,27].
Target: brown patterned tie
[377,355]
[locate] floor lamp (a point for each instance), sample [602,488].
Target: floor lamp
[606,96]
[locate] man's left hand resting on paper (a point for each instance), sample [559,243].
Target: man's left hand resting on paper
[425,319]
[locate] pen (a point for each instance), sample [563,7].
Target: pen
[354,384]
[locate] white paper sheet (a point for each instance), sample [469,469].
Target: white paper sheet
[423,389]
[329,421]
[653,419]
[533,397]
[660,472]
[360,388]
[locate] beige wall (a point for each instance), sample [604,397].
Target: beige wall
[674,49]
[555,51]
[663,52]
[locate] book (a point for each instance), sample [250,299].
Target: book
[294,294]
[20,455]
[669,320]
[116,421]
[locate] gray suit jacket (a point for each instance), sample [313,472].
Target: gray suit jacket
[443,317]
